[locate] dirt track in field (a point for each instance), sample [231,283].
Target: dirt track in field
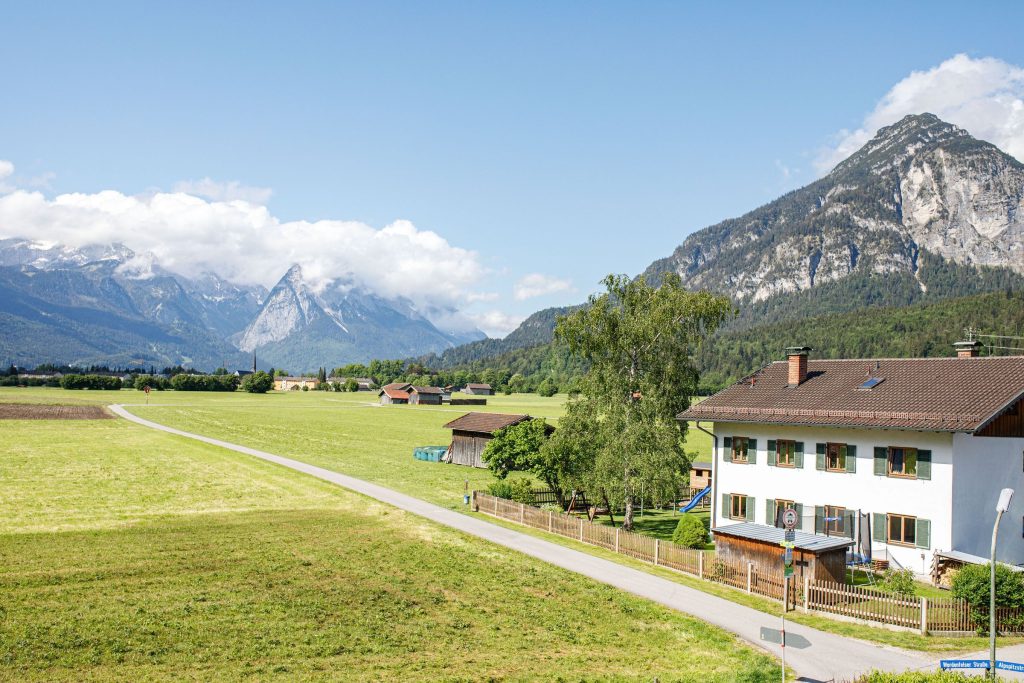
[28,411]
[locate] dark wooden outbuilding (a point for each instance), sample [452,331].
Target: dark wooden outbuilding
[394,393]
[479,389]
[426,395]
[822,558]
[472,431]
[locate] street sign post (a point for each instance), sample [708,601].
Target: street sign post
[789,518]
[1010,666]
[947,664]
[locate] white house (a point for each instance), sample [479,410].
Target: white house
[905,456]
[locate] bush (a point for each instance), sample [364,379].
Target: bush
[351,385]
[90,382]
[971,584]
[519,490]
[547,388]
[185,382]
[899,581]
[690,532]
[258,383]
[151,381]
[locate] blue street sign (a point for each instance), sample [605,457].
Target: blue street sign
[964,664]
[1009,666]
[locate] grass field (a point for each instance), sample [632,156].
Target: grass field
[133,555]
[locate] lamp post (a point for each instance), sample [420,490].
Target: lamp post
[1002,506]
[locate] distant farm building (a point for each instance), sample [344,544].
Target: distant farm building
[394,393]
[426,395]
[472,431]
[365,383]
[479,389]
[289,383]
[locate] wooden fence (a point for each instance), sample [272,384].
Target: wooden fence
[927,615]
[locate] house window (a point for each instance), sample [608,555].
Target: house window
[902,530]
[738,509]
[780,507]
[902,462]
[785,455]
[835,457]
[835,520]
[739,449]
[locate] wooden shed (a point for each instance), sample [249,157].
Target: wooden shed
[822,558]
[394,393]
[472,431]
[479,389]
[426,395]
[700,475]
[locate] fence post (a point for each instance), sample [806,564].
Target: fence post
[476,504]
[657,547]
[551,516]
[616,540]
[495,506]
[924,616]
[581,529]
[750,575]
[522,513]
[807,593]
[700,565]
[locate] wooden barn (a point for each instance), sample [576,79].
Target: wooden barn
[426,395]
[472,431]
[394,393]
[479,389]
[822,558]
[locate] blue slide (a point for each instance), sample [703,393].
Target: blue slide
[696,500]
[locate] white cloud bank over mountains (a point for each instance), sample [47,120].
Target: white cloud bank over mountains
[537,284]
[236,237]
[984,96]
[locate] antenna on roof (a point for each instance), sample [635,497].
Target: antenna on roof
[996,342]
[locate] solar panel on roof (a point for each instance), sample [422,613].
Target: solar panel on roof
[871,383]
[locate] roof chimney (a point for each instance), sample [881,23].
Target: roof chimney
[967,349]
[797,356]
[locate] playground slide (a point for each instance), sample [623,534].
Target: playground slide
[696,500]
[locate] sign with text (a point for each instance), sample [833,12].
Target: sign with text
[1010,666]
[947,664]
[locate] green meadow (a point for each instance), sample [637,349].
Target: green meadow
[134,555]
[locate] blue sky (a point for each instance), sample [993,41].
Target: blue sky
[561,141]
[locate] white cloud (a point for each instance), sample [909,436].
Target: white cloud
[496,323]
[984,96]
[228,191]
[6,171]
[536,284]
[245,243]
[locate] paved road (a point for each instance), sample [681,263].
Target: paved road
[828,656]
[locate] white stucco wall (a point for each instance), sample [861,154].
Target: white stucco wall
[983,466]
[861,490]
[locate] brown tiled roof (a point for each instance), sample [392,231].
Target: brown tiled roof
[926,394]
[397,386]
[394,393]
[427,390]
[485,423]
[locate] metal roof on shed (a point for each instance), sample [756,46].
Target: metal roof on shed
[815,543]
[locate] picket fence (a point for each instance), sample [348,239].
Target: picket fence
[948,616]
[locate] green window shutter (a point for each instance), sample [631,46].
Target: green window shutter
[726,506]
[769,512]
[819,519]
[819,462]
[924,464]
[727,449]
[771,452]
[851,458]
[752,451]
[751,501]
[878,527]
[881,460]
[800,454]
[923,534]
[799,507]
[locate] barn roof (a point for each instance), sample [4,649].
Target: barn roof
[426,390]
[485,423]
[478,386]
[397,386]
[815,543]
[926,394]
[394,393]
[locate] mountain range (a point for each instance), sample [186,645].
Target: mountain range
[105,304]
[922,213]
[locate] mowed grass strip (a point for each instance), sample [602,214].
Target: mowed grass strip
[296,580]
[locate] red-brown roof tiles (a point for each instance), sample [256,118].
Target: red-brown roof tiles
[926,394]
[485,423]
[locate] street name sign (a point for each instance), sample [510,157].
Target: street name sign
[947,664]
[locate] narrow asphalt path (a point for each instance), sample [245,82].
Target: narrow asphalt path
[828,656]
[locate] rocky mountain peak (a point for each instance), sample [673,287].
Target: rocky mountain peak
[894,144]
